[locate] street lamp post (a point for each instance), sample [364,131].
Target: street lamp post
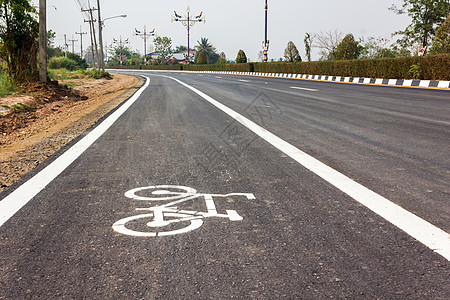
[121,44]
[188,22]
[109,18]
[145,35]
[101,24]
[266,41]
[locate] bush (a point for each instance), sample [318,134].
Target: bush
[433,67]
[441,41]
[80,62]
[62,62]
[291,53]
[8,85]
[241,57]
[347,48]
[201,59]
[97,74]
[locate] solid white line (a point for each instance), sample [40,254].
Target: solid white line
[23,194]
[305,89]
[431,236]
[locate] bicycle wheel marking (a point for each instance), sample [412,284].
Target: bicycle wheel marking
[120,226]
[166,219]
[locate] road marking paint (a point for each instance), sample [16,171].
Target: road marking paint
[243,80]
[301,88]
[431,236]
[210,206]
[162,216]
[218,77]
[23,194]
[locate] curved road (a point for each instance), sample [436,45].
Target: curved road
[243,187]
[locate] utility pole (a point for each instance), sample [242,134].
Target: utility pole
[100,39]
[121,44]
[145,35]
[188,22]
[72,41]
[42,40]
[65,45]
[81,33]
[266,41]
[93,37]
[92,43]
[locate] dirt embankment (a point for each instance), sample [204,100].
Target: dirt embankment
[46,117]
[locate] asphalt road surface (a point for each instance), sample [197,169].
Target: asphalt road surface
[217,187]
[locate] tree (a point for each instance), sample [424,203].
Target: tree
[201,59]
[163,46]
[179,49]
[80,62]
[123,55]
[374,47]
[441,41]
[327,43]
[426,15]
[19,32]
[222,58]
[347,48]
[241,57]
[208,50]
[51,50]
[308,44]
[291,53]
[51,35]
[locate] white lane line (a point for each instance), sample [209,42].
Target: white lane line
[431,236]
[243,80]
[23,194]
[302,88]
[218,77]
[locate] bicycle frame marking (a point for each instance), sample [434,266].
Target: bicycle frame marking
[160,213]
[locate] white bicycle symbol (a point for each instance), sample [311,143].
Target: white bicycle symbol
[167,219]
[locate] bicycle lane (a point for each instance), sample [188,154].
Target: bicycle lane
[298,238]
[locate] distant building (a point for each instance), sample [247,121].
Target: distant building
[192,54]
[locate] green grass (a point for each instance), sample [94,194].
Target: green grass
[19,107]
[7,86]
[63,74]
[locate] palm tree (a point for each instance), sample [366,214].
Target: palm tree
[207,48]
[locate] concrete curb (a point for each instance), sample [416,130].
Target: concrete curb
[357,80]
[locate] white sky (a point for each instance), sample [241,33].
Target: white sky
[230,25]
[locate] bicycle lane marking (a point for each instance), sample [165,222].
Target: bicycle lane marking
[157,223]
[12,203]
[431,236]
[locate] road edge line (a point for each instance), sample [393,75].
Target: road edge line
[426,233]
[12,203]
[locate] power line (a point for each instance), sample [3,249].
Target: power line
[72,42]
[81,33]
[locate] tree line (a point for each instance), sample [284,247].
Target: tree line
[429,30]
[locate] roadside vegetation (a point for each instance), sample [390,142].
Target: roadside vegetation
[420,51]
[7,85]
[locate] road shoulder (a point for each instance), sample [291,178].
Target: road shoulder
[37,144]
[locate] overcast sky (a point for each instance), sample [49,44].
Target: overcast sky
[232,24]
